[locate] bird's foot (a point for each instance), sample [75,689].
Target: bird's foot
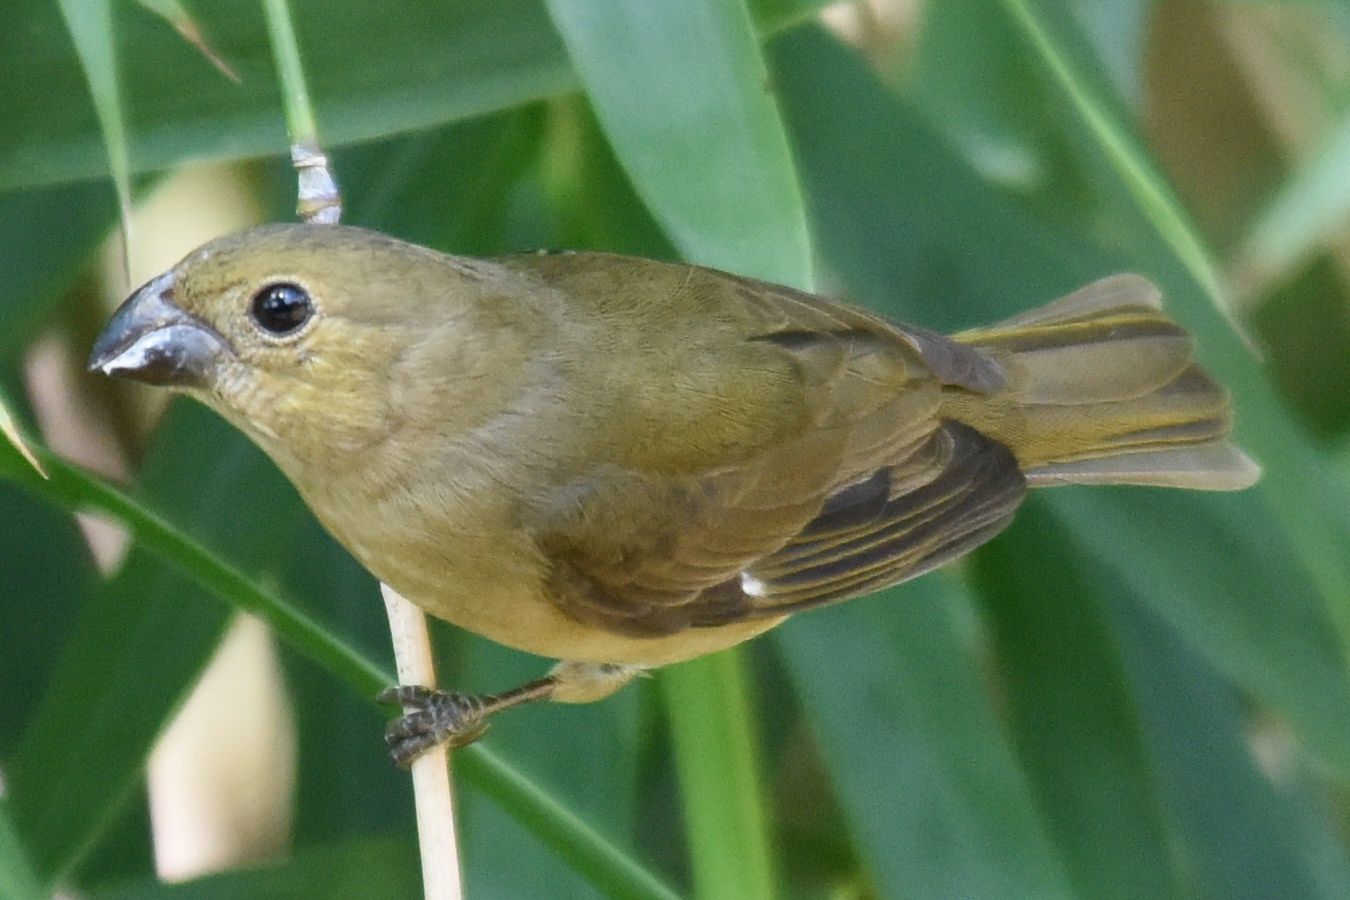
[434,718]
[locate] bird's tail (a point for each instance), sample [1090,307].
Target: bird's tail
[1103,390]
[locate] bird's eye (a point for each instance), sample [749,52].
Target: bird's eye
[281,308]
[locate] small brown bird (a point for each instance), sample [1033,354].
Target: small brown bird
[623,463]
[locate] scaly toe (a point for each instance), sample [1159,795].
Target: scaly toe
[437,717]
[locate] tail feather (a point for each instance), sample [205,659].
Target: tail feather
[1103,389]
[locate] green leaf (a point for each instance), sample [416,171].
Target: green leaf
[1238,594]
[50,581]
[371,75]
[946,250]
[1300,498]
[1046,24]
[716,756]
[1075,723]
[925,777]
[724,190]
[1310,208]
[1241,837]
[360,869]
[148,619]
[61,823]
[58,229]
[481,55]
[972,83]
[726,195]
[177,15]
[18,881]
[9,430]
[91,28]
[556,826]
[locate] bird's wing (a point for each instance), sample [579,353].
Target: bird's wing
[872,488]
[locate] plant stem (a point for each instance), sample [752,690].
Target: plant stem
[436,837]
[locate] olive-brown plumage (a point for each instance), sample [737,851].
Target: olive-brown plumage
[615,460]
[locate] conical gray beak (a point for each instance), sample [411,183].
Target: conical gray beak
[150,339]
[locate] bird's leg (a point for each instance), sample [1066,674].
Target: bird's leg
[438,717]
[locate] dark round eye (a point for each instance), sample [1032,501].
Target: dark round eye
[281,308]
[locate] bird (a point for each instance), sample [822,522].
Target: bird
[621,463]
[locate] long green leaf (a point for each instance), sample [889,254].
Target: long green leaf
[947,251]
[147,619]
[1041,20]
[90,23]
[926,778]
[1241,836]
[710,721]
[472,57]
[724,189]
[1076,725]
[75,489]
[18,881]
[1307,505]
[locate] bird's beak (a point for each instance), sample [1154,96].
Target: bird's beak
[150,339]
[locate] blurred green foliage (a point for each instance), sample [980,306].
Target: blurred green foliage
[1132,693]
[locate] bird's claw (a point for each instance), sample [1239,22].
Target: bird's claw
[435,717]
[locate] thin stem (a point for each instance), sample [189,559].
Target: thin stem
[318,198]
[436,836]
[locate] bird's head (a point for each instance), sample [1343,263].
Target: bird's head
[313,339]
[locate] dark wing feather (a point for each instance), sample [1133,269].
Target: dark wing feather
[868,536]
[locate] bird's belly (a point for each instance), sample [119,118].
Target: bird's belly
[493,585]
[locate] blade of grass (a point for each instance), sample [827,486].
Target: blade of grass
[77,490]
[90,25]
[590,853]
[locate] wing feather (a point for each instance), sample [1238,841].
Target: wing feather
[872,489]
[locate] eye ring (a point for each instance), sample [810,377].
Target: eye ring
[281,308]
